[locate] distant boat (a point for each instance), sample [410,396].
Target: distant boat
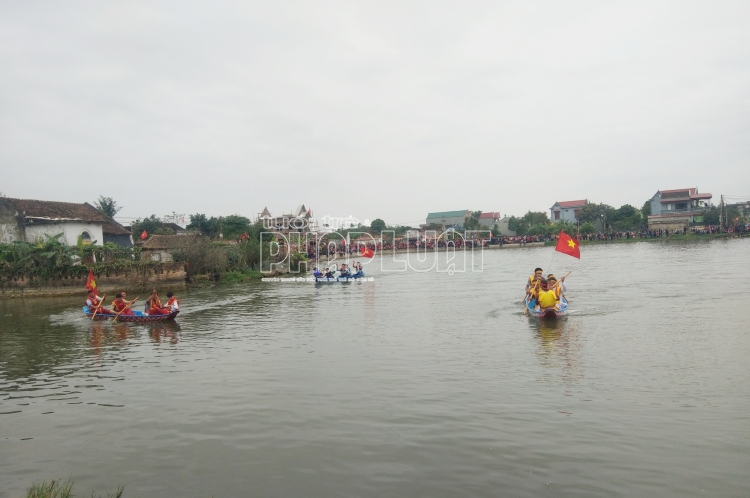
[348,278]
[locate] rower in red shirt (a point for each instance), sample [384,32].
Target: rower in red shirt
[172,304]
[121,306]
[95,302]
[154,305]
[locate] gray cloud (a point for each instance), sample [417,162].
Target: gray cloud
[372,109]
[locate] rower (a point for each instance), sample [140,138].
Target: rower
[556,287]
[172,303]
[121,306]
[154,305]
[329,273]
[546,298]
[317,273]
[533,278]
[95,302]
[561,284]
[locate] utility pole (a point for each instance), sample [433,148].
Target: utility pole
[721,210]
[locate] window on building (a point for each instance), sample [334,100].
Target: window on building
[557,215]
[669,207]
[680,206]
[575,213]
[86,238]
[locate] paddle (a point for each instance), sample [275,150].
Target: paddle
[98,307]
[126,307]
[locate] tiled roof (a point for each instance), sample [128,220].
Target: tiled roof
[570,204]
[111,227]
[489,215]
[447,214]
[157,242]
[53,210]
[689,190]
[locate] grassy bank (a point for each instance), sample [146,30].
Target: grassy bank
[689,237]
[59,489]
[230,277]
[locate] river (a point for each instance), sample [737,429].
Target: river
[415,384]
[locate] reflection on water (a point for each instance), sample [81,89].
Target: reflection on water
[560,345]
[418,384]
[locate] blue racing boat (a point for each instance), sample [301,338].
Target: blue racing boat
[560,310]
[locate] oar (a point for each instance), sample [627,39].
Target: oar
[98,306]
[126,307]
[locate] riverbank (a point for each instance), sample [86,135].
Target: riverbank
[689,237]
[160,275]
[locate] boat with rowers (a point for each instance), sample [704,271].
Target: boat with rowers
[136,316]
[545,297]
[344,274]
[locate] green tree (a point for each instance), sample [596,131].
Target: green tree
[152,225]
[107,206]
[591,212]
[532,223]
[377,225]
[472,221]
[588,227]
[234,225]
[495,230]
[209,227]
[626,218]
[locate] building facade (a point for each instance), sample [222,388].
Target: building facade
[33,221]
[566,210]
[447,219]
[677,209]
[489,219]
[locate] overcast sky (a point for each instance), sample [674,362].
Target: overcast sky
[372,109]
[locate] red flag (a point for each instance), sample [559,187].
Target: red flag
[144,235]
[567,245]
[90,282]
[366,252]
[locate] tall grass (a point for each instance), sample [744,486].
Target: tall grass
[58,489]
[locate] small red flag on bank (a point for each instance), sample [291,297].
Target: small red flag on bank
[568,245]
[90,282]
[144,235]
[366,252]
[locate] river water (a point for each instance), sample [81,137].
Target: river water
[415,384]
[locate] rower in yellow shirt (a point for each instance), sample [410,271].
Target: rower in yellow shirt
[546,297]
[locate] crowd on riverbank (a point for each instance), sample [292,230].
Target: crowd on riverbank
[342,248]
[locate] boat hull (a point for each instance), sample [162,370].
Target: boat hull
[138,316]
[553,313]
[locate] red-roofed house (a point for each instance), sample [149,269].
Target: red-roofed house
[489,219]
[566,210]
[678,208]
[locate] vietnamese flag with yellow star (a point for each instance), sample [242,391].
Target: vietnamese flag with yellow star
[568,245]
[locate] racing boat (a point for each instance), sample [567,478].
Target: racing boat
[137,316]
[345,278]
[560,310]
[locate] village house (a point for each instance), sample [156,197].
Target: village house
[299,220]
[33,221]
[677,209]
[489,219]
[502,226]
[447,219]
[160,247]
[566,210]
